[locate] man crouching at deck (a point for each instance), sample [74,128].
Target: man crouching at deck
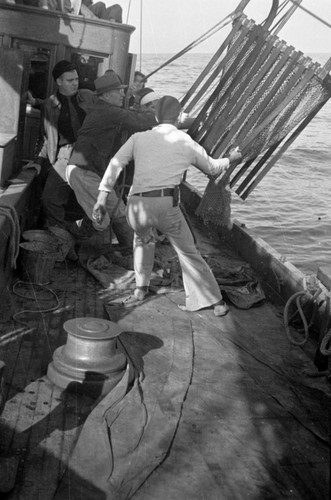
[161,157]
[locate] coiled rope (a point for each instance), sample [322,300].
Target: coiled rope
[325,346]
[35,298]
[297,298]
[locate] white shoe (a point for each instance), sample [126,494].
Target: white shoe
[221,309]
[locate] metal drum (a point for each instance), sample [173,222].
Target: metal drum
[90,361]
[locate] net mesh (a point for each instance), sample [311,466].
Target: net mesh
[254,92]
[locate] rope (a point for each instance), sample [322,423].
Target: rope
[221,24]
[11,214]
[311,13]
[297,296]
[326,351]
[35,298]
[283,20]
[127,16]
[141,34]
[224,22]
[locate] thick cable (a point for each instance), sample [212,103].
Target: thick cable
[221,24]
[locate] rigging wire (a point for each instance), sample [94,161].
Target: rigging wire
[311,13]
[283,20]
[141,35]
[230,18]
[127,16]
[221,24]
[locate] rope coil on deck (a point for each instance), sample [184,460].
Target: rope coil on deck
[297,297]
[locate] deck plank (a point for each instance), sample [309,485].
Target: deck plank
[253,425]
[40,422]
[242,442]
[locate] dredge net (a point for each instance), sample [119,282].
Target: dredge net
[254,93]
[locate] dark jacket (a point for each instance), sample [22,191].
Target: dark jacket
[47,146]
[99,137]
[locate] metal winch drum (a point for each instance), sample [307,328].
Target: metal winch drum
[90,361]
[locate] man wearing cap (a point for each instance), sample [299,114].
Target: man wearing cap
[97,141]
[161,156]
[62,116]
[147,99]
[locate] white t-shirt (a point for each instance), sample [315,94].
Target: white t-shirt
[161,156]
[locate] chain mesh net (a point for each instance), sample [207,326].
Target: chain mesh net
[255,91]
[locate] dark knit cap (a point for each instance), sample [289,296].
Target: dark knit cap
[62,67]
[168,109]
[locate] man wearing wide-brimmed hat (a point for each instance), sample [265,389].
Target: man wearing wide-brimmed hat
[98,139]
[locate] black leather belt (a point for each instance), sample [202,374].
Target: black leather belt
[157,193]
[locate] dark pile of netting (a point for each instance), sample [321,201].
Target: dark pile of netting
[255,92]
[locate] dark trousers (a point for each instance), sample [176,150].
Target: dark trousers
[59,202]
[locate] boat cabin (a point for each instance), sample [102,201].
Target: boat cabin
[32,41]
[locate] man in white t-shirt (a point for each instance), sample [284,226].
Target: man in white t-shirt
[161,156]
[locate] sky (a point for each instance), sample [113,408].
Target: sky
[170,25]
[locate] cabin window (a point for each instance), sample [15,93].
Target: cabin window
[88,69]
[37,82]
[37,68]
[38,75]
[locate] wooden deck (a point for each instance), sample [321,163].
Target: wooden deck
[252,423]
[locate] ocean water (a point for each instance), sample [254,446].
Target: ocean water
[291,207]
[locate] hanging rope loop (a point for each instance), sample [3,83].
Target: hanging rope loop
[297,297]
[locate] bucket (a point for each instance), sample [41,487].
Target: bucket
[40,235]
[38,260]
[65,240]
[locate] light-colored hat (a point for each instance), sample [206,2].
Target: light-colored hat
[150,97]
[109,81]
